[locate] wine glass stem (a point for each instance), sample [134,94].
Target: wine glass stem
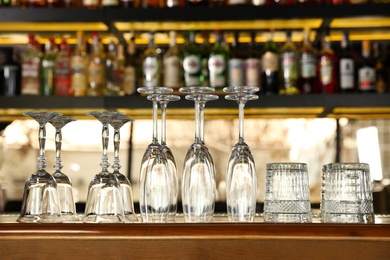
[42,140]
[201,120]
[105,164]
[197,119]
[116,165]
[163,106]
[241,105]
[58,139]
[155,110]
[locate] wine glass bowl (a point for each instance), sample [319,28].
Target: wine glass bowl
[64,184]
[40,198]
[241,183]
[104,202]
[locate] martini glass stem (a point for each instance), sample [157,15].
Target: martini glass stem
[116,166]
[155,111]
[105,164]
[58,140]
[202,105]
[42,139]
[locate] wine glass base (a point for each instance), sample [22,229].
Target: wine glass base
[103,219]
[130,217]
[70,217]
[40,218]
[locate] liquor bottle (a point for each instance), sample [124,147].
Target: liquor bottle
[289,67]
[112,89]
[96,68]
[151,65]
[152,3]
[380,72]
[192,62]
[281,2]
[237,2]
[258,2]
[11,3]
[205,51]
[252,64]
[30,60]
[72,3]
[62,85]
[218,63]
[10,75]
[236,63]
[110,3]
[130,80]
[270,67]
[119,70]
[172,64]
[37,3]
[174,3]
[47,74]
[217,2]
[346,66]
[194,3]
[92,4]
[327,68]
[366,70]
[308,66]
[129,3]
[79,67]
[55,3]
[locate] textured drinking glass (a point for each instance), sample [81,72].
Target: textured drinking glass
[104,202]
[287,193]
[117,121]
[346,194]
[40,199]
[155,180]
[241,183]
[198,181]
[64,184]
[163,101]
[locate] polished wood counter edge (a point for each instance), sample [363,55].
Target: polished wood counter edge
[210,231]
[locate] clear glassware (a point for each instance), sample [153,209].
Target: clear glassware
[64,184]
[241,182]
[155,188]
[126,189]
[163,101]
[198,180]
[40,199]
[104,202]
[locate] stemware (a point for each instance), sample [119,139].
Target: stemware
[126,189]
[163,101]
[64,184]
[198,180]
[40,198]
[104,202]
[155,188]
[241,172]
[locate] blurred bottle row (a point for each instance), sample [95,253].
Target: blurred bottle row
[94,4]
[276,68]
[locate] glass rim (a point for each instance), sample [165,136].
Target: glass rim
[346,166]
[288,165]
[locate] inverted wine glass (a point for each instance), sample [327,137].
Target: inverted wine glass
[104,202]
[126,189]
[163,101]
[40,198]
[155,180]
[198,180]
[241,182]
[64,184]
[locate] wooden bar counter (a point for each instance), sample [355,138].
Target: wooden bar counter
[216,240]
